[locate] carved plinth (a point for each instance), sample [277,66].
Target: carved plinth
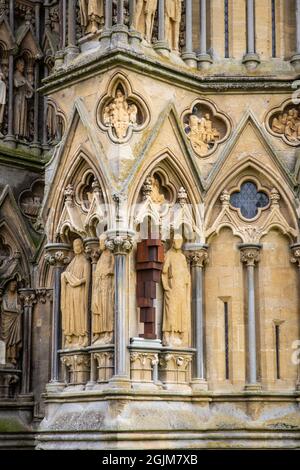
[142,365]
[76,368]
[175,369]
[104,365]
[9,379]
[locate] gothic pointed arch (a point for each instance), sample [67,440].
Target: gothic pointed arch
[251,200]
[15,236]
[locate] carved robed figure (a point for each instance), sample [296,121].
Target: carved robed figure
[177,297]
[11,323]
[103,297]
[74,298]
[23,92]
[172,22]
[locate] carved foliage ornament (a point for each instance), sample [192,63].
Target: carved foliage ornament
[121,112]
[205,127]
[284,122]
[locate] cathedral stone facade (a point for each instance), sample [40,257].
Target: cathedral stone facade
[149,224]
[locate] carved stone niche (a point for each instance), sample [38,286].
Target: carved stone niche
[284,122]
[30,203]
[120,112]
[175,368]
[76,368]
[205,126]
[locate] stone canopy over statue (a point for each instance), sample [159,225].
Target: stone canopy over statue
[103,297]
[11,323]
[74,298]
[177,297]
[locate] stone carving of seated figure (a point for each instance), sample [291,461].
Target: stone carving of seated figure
[287,124]
[120,114]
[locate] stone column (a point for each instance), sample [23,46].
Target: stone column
[204,59]
[295,249]
[106,32]
[28,298]
[295,60]
[198,257]
[120,243]
[189,55]
[119,35]
[251,59]
[161,45]
[93,253]
[10,137]
[250,256]
[56,256]
[72,49]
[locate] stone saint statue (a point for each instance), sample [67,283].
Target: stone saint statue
[2,101]
[91,15]
[103,297]
[177,297]
[23,92]
[11,323]
[172,22]
[144,17]
[74,298]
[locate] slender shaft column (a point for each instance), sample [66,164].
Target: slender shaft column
[28,298]
[56,256]
[10,137]
[295,60]
[119,35]
[198,257]
[161,45]
[92,251]
[120,12]
[72,49]
[106,32]
[251,59]
[204,59]
[250,256]
[120,243]
[189,55]
[296,259]
[108,14]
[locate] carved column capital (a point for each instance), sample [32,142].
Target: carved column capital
[121,242]
[44,294]
[91,248]
[57,254]
[249,253]
[295,258]
[27,297]
[197,254]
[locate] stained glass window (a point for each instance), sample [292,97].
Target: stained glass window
[249,200]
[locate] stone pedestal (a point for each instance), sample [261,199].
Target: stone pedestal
[76,367]
[9,379]
[144,359]
[175,369]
